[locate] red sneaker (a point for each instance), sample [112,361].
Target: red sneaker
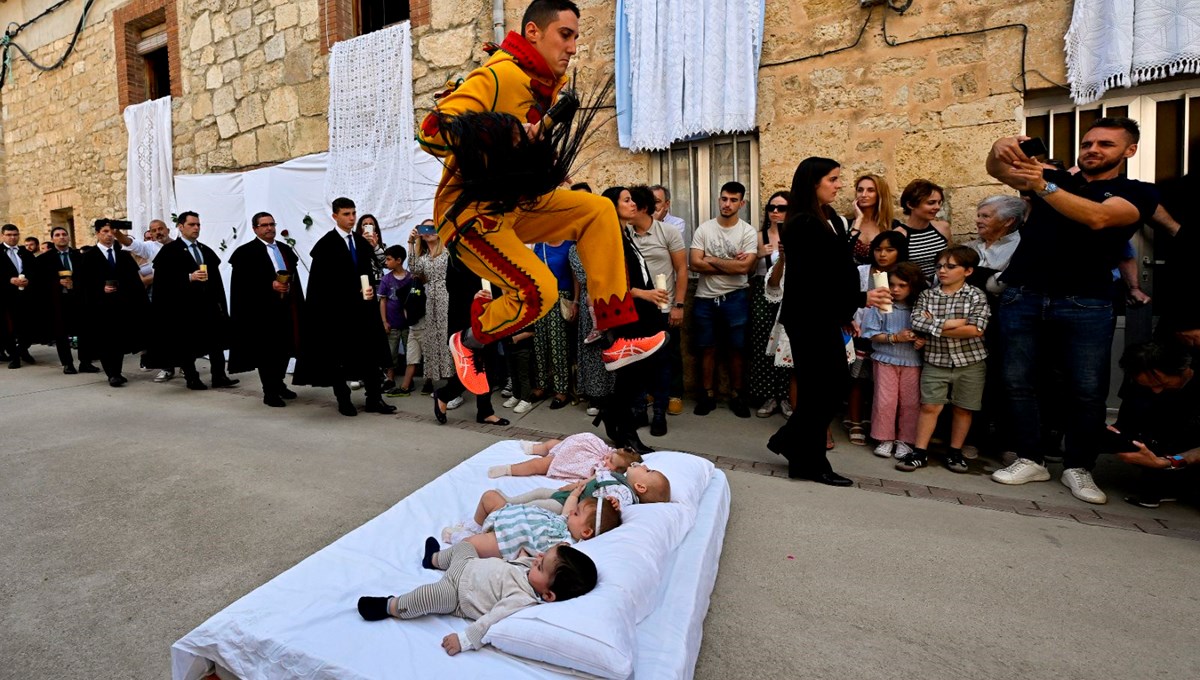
[626,351]
[470,372]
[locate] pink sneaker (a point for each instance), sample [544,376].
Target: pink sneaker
[592,337]
[626,351]
[470,374]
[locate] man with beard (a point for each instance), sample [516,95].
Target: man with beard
[114,302]
[17,305]
[190,314]
[1057,309]
[62,302]
[265,301]
[343,333]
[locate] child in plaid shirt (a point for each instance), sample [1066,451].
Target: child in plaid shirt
[953,315]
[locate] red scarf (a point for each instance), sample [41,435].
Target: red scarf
[542,79]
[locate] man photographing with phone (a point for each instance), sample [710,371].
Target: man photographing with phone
[1058,304]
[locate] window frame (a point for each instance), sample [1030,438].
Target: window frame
[700,160]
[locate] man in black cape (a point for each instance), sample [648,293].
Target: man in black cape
[114,302]
[191,317]
[265,301]
[61,302]
[17,297]
[343,338]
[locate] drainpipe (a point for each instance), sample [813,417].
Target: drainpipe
[498,20]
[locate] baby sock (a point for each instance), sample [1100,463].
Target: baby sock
[499,471]
[431,546]
[527,447]
[373,608]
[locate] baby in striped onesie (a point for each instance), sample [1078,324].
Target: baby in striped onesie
[515,530]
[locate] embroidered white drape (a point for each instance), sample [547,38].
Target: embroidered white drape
[1121,43]
[149,171]
[371,123]
[693,68]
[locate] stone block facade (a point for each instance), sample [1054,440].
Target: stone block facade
[250,86]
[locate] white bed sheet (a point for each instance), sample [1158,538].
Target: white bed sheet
[303,623]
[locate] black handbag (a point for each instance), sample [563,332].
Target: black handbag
[414,303]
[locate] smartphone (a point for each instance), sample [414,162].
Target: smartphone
[1115,442]
[1033,147]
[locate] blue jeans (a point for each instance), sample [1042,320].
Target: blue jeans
[1073,335]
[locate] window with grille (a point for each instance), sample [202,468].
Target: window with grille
[695,170]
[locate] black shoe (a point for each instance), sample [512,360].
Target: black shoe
[388,385]
[274,401]
[502,422]
[379,406]
[438,412]
[15,362]
[87,367]
[427,388]
[658,426]
[705,406]
[69,370]
[830,478]
[431,547]
[955,463]
[641,419]
[117,381]
[559,403]
[346,408]
[1151,502]
[911,462]
[195,384]
[739,408]
[373,608]
[285,392]
[27,357]
[224,381]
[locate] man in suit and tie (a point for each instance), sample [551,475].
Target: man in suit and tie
[265,302]
[114,302]
[343,337]
[61,302]
[17,305]
[191,315]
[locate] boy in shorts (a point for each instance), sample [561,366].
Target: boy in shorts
[953,316]
[394,288]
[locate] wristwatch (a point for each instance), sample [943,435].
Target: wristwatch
[678,305]
[1051,187]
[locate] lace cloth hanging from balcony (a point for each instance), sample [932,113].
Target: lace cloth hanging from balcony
[371,123]
[149,165]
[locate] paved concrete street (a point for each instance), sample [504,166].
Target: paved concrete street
[133,514]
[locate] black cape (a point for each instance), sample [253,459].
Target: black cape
[61,309]
[191,319]
[266,324]
[113,322]
[18,308]
[342,337]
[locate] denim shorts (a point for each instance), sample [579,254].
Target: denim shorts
[730,311]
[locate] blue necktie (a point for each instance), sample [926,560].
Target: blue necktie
[65,260]
[353,250]
[278,257]
[112,261]
[196,253]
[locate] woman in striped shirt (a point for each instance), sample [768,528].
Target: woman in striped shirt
[927,236]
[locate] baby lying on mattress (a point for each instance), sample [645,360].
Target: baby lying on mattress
[487,589]
[574,458]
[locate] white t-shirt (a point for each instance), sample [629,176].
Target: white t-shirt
[725,243]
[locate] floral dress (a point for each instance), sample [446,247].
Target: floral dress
[431,331]
[594,380]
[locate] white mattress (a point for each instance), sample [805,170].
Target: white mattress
[303,623]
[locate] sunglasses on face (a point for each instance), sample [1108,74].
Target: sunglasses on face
[776,208]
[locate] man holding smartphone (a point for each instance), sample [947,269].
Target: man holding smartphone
[1058,304]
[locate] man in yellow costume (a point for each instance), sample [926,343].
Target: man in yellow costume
[523,78]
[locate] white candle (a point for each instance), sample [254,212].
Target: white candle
[22,279]
[660,283]
[880,280]
[366,286]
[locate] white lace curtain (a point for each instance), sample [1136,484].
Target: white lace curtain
[149,171]
[1122,43]
[371,123]
[686,67]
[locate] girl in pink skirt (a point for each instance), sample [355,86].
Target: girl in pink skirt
[575,458]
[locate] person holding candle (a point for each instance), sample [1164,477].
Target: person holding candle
[343,338]
[16,303]
[114,302]
[265,301]
[61,303]
[190,309]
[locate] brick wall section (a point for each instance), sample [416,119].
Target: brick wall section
[128,23]
[419,12]
[337,20]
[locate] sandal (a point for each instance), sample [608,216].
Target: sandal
[502,422]
[858,436]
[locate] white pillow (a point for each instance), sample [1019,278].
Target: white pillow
[689,475]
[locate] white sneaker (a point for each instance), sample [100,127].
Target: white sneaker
[454,403]
[1022,472]
[523,407]
[510,402]
[884,449]
[1082,486]
[768,409]
[902,450]
[592,411]
[356,384]
[785,407]
[164,376]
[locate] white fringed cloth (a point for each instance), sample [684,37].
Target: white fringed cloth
[149,167]
[693,67]
[1122,43]
[371,123]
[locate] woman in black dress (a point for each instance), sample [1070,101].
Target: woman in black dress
[821,293]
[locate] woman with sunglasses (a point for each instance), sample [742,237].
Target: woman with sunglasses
[768,382]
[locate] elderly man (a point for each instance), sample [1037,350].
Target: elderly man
[662,210]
